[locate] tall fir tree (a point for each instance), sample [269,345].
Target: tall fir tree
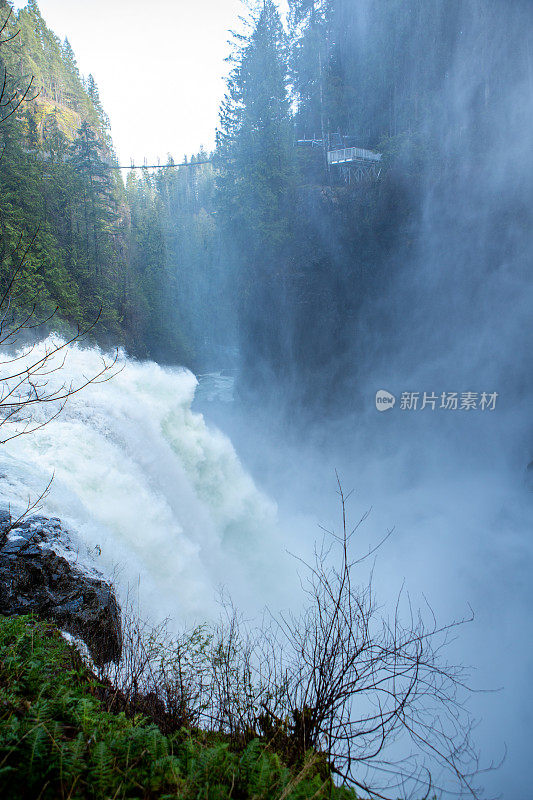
[255,158]
[254,140]
[95,191]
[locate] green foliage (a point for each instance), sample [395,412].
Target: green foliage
[268,250]
[56,190]
[57,741]
[91,256]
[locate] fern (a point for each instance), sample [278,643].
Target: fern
[101,769]
[37,742]
[56,740]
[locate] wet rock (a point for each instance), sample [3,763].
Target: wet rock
[5,524]
[40,572]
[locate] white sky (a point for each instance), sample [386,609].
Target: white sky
[159,66]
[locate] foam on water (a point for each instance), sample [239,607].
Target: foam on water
[142,477]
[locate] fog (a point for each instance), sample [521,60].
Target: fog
[453,315]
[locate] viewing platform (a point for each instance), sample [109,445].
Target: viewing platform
[353,155]
[356,163]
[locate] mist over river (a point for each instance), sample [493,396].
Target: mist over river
[455,488]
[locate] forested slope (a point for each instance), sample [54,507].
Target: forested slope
[64,206]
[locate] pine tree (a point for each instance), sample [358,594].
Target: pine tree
[94,190]
[98,115]
[255,156]
[255,134]
[70,58]
[310,33]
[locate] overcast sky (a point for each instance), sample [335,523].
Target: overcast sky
[159,66]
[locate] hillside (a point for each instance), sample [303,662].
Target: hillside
[64,210]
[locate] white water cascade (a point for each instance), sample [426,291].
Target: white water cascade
[160,498]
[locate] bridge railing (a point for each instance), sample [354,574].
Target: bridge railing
[350,154]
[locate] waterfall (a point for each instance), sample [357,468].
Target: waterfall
[159,497]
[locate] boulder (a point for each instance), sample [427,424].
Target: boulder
[40,573]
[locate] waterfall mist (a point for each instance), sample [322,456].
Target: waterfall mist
[445,307]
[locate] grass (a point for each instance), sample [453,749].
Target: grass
[58,741]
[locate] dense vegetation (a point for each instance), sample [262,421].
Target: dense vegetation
[57,739]
[61,201]
[55,184]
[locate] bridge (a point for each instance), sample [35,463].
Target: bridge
[355,163]
[163,166]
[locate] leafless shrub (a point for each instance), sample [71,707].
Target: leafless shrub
[160,675]
[372,693]
[370,697]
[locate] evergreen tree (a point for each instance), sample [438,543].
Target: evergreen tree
[255,134]
[97,114]
[256,176]
[310,33]
[94,190]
